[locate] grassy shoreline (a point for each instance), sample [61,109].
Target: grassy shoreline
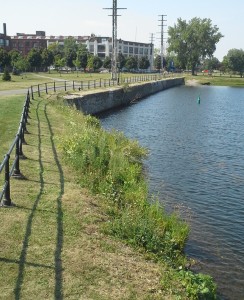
[82,230]
[59,241]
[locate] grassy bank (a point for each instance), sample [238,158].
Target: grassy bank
[82,227]
[218,80]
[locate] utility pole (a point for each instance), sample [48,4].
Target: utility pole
[151,51]
[114,73]
[162,37]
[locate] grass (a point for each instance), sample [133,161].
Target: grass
[218,80]
[52,245]
[56,242]
[10,113]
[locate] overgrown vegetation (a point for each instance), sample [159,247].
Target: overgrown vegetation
[111,165]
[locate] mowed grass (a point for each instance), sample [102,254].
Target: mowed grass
[51,243]
[10,113]
[218,80]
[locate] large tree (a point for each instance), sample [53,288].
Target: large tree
[234,61]
[34,58]
[5,58]
[193,41]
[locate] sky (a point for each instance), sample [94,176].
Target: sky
[136,23]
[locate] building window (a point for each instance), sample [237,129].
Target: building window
[91,48]
[141,51]
[101,48]
[1,42]
[131,50]
[146,51]
[125,49]
[136,50]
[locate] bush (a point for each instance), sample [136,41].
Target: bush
[6,75]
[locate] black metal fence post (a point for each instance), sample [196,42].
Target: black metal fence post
[46,88]
[7,199]
[32,94]
[38,86]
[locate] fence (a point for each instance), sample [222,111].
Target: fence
[89,84]
[14,169]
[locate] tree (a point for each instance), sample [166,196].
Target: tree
[121,61]
[234,61]
[6,76]
[157,62]
[193,41]
[34,58]
[211,64]
[4,58]
[59,62]
[107,63]
[47,58]
[94,62]
[83,55]
[131,63]
[144,63]
[15,55]
[22,64]
[77,64]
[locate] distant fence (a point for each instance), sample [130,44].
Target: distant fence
[11,168]
[89,84]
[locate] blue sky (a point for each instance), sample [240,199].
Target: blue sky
[83,17]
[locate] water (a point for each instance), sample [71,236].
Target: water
[196,163]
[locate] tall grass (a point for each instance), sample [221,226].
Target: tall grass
[111,165]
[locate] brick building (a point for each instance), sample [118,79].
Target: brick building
[100,46]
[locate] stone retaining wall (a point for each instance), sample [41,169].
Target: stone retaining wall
[101,101]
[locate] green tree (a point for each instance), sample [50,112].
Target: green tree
[131,63]
[35,59]
[6,76]
[157,62]
[83,55]
[22,64]
[144,63]
[107,63]
[94,62]
[234,61]
[15,55]
[59,62]
[121,61]
[47,58]
[211,64]
[4,58]
[193,41]
[77,64]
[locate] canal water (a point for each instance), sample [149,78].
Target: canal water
[196,165]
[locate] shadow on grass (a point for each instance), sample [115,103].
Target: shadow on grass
[59,239]
[58,291]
